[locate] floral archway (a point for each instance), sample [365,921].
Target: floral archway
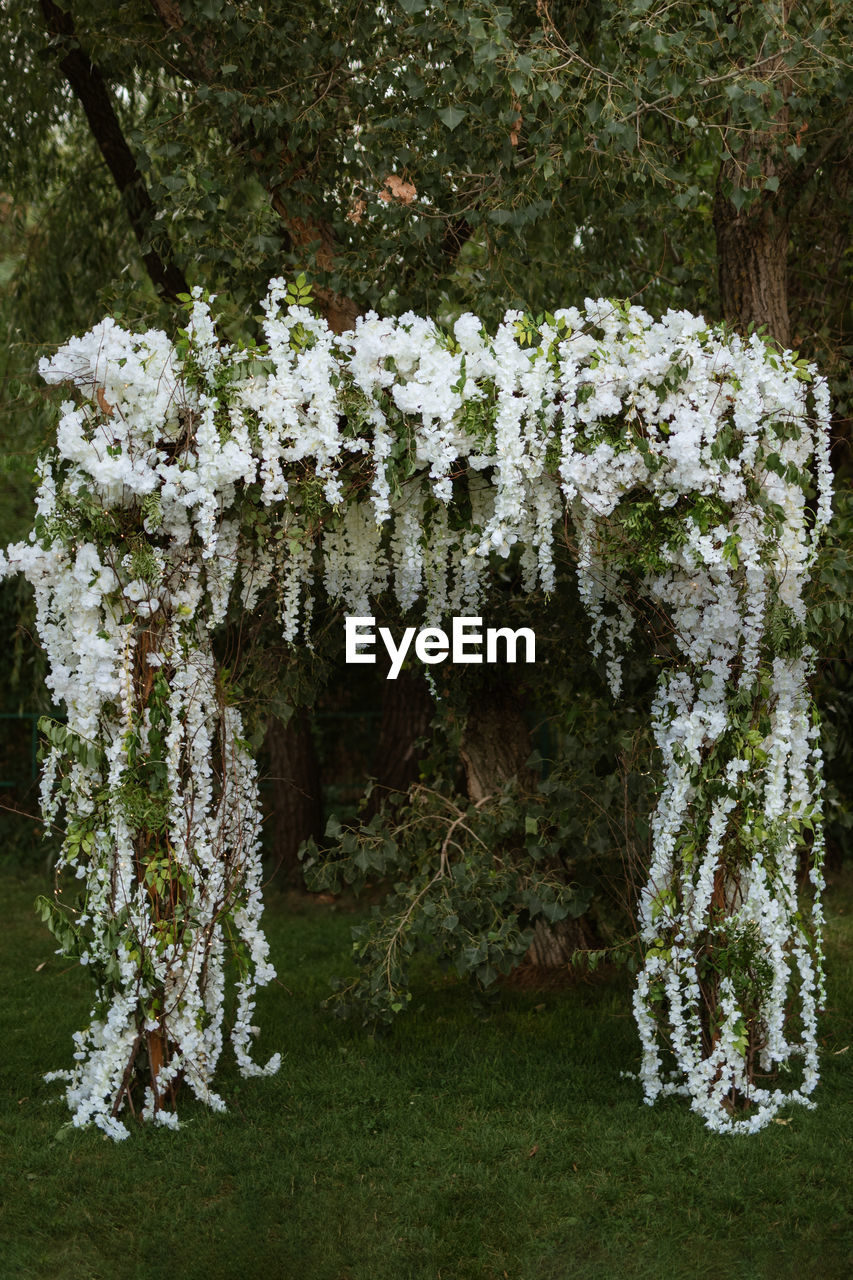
[400,458]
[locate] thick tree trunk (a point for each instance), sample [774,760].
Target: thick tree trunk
[752,242]
[496,742]
[752,261]
[554,945]
[406,713]
[297,801]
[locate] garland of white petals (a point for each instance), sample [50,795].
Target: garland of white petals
[189,475]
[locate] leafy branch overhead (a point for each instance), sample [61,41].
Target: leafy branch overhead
[528,140]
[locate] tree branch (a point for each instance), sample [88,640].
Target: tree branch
[91,90]
[300,230]
[340,312]
[456,232]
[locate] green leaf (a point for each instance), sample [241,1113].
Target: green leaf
[451,116]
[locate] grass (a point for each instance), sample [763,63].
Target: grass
[453,1149]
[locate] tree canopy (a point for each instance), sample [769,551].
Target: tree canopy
[416,155]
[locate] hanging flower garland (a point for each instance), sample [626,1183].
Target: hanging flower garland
[400,458]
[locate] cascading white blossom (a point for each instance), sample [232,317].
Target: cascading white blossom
[681,456]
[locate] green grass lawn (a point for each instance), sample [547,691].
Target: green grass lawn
[452,1148]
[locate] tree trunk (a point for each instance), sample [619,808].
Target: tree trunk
[496,742]
[406,713]
[752,262]
[554,945]
[752,242]
[87,82]
[297,801]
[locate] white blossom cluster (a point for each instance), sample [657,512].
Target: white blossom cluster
[428,454]
[162,954]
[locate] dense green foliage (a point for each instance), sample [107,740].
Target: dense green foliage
[560,149]
[469,881]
